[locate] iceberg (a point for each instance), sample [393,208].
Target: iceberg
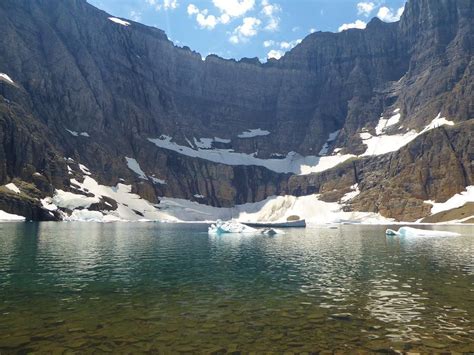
[229,227]
[414,232]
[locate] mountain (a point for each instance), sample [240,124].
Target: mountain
[386,111]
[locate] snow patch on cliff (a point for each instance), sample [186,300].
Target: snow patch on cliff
[77,134]
[6,78]
[383,143]
[12,187]
[252,133]
[292,163]
[456,201]
[135,167]
[332,137]
[119,21]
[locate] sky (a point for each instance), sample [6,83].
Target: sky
[249,28]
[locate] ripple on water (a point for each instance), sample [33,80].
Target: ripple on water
[152,287]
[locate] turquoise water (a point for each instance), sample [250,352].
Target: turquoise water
[172,288]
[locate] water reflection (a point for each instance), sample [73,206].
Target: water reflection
[178,288]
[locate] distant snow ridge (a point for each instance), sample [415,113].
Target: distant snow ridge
[5,77]
[119,21]
[292,162]
[251,133]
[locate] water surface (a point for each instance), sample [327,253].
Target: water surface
[172,288]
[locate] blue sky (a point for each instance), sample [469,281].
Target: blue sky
[249,28]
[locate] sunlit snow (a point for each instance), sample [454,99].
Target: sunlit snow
[456,201]
[5,77]
[119,21]
[13,187]
[292,163]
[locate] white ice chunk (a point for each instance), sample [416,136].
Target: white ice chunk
[199,196]
[251,133]
[5,77]
[231,227]
[135,167]
[119,21]
[415,232]
[8,217]
[84,134]
[12,187]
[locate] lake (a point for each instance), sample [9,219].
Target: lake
[138,287]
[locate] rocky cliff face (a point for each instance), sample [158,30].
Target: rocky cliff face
[87,88]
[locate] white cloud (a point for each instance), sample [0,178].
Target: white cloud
[283,47]
[365,8]
[234,39]
[268,43]
[388,15]
[248,28]
[163,4]
[192,10]
[271,11]
[276,54]
[205,21]
[135,15]
[312,30]
[358,24]
[234,8]
[224,18]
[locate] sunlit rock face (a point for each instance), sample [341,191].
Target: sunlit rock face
[79,84]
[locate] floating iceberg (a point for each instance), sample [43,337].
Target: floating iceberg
[230,227]
[414,232]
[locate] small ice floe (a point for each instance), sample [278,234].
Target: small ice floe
[228,227]
[415,232]
[234,227]
[119,21]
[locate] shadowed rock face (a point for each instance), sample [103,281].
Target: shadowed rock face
[75,70]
